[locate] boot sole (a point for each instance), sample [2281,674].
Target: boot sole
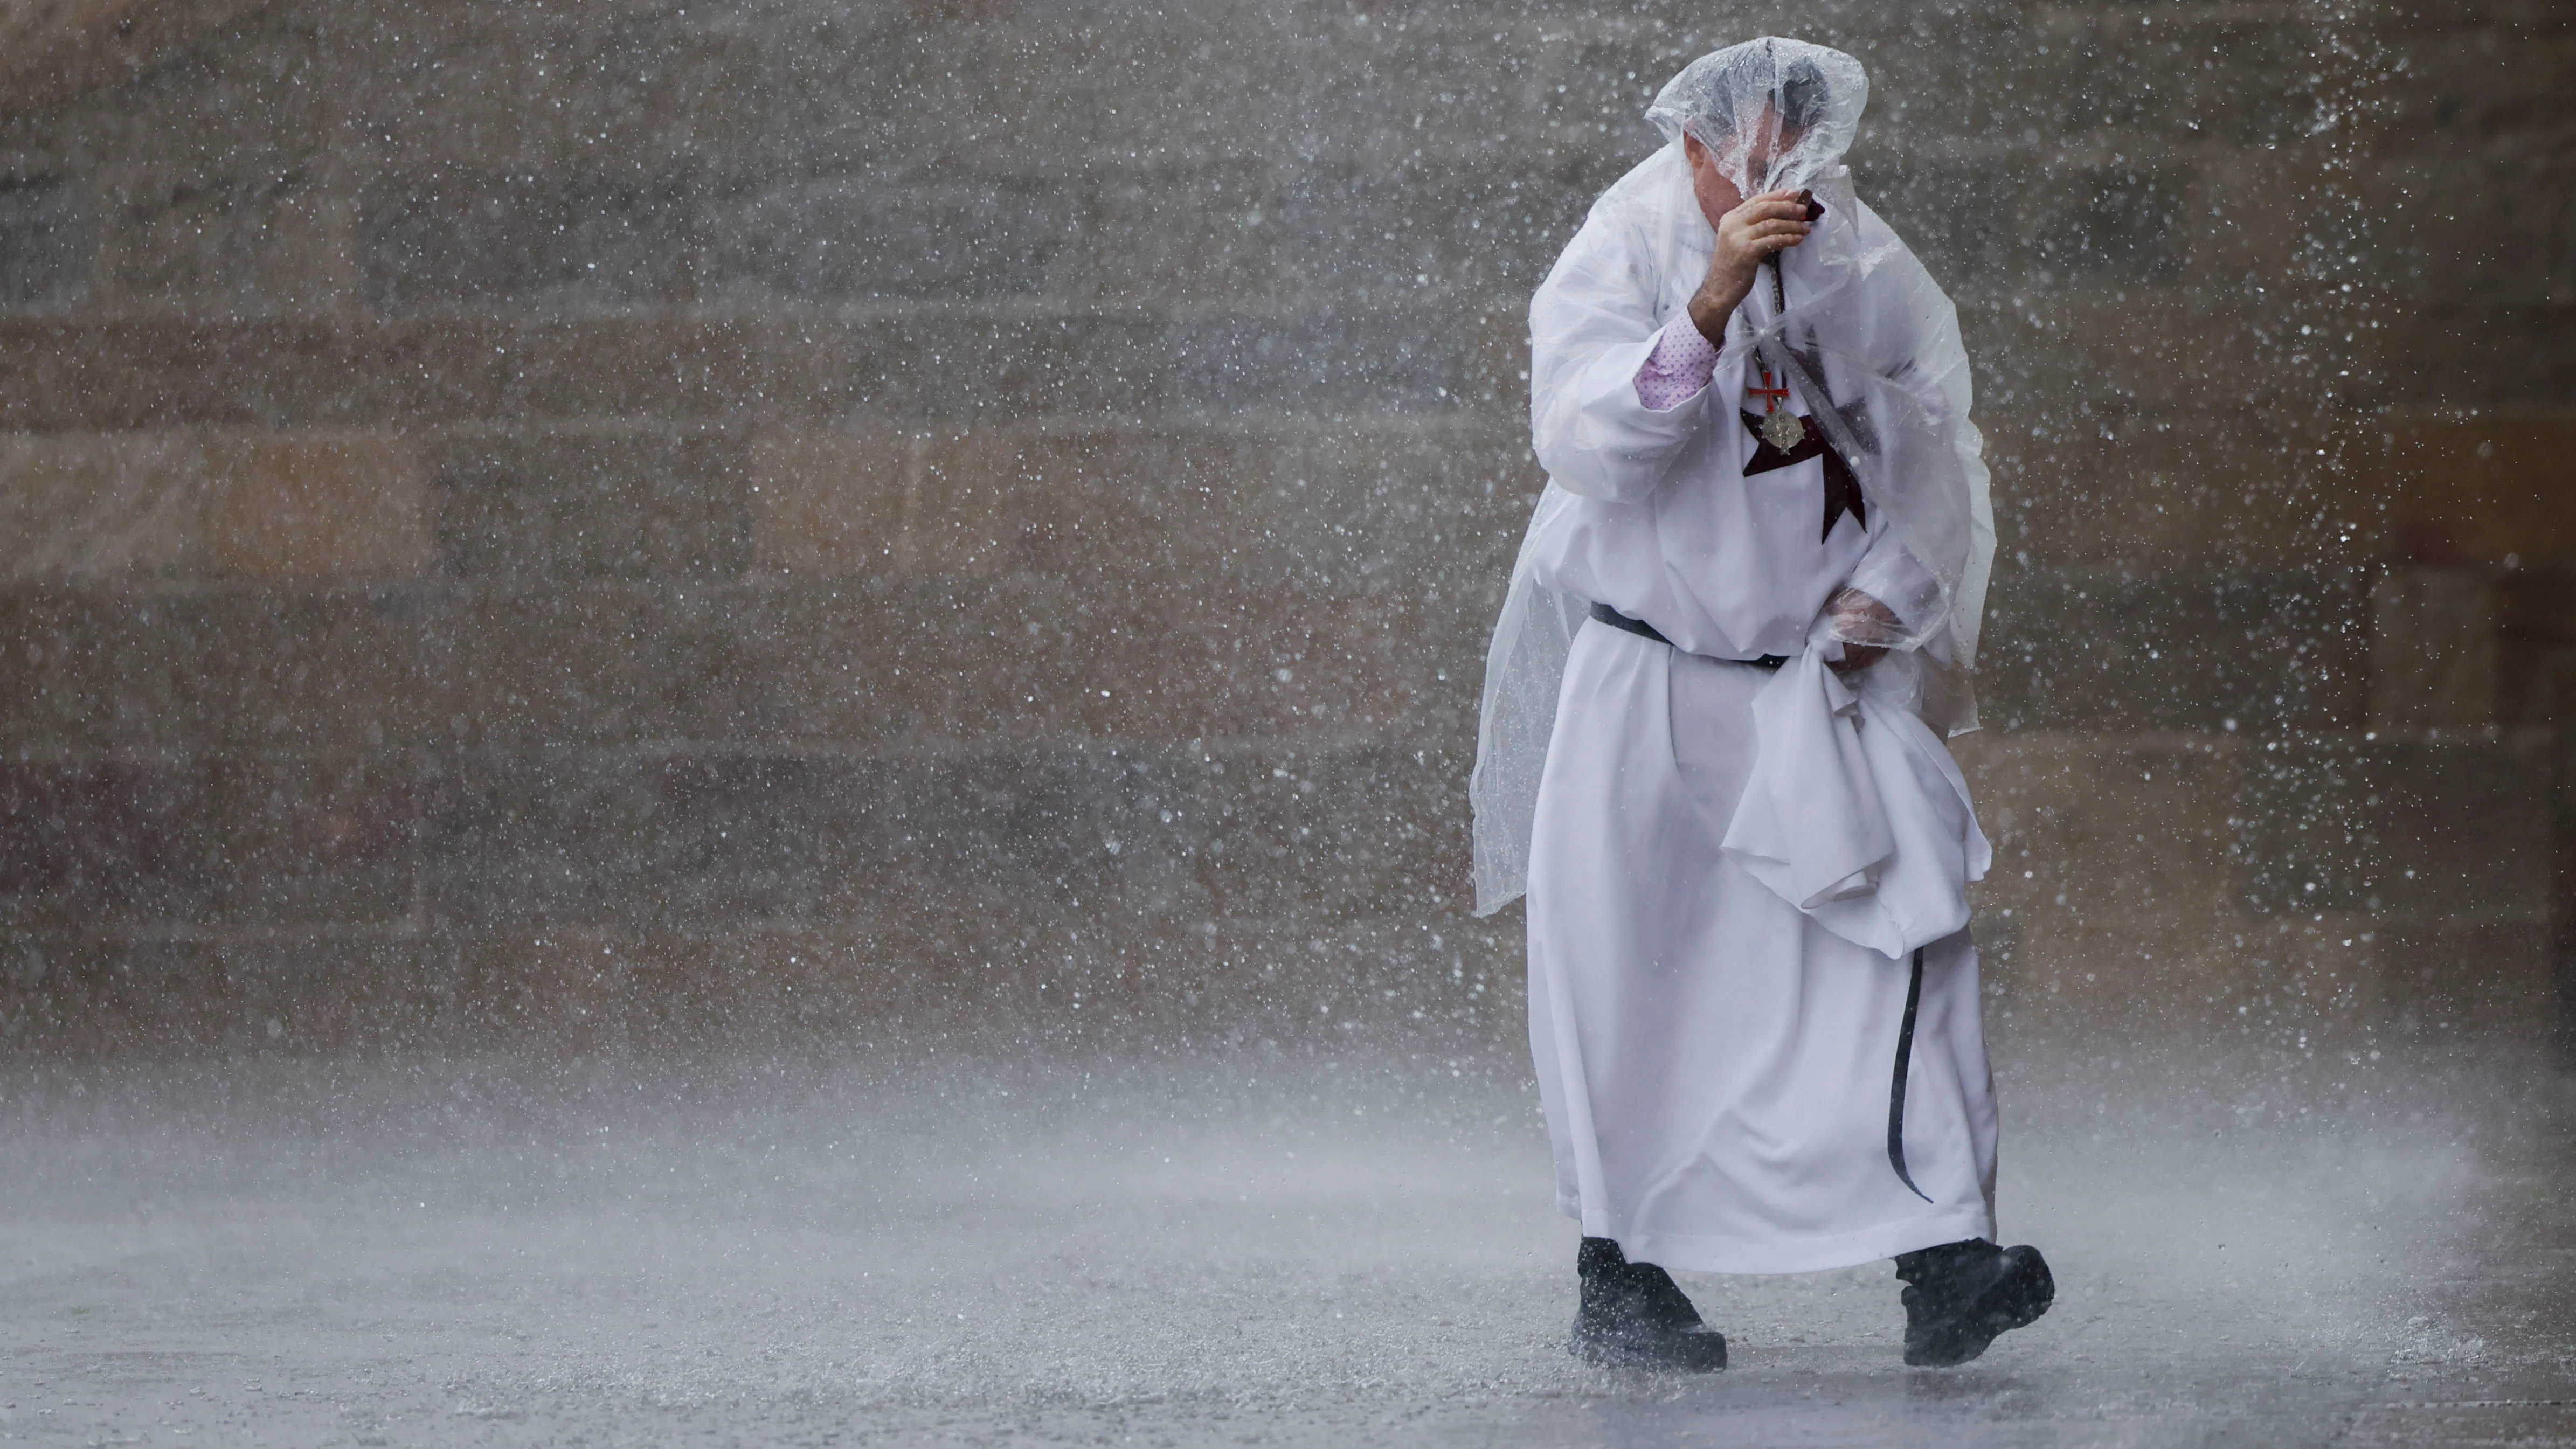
[1691,1353]
[2012,1303]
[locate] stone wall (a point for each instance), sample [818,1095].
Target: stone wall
[645,524]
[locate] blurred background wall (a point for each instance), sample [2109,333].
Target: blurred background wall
[641,526]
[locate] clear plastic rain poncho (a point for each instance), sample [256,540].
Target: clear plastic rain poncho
[1873,345]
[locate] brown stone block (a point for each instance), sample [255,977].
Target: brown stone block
[341,670]
[2205,649]
[47,240]
[96,835]
[580,991]
[1397,356]
[1163,665]
[1019,657]
[866,662]
[557,836]
[2450,831]
[88,506]
[1132,660]
[602,662]
[278,371]
[2138,353]
[219,241]
[671,367]
[299,507]
[964,364]
[850,237]
[833,663]
[96,671]
[528,238]
[58,374]
[2488,983]
[2262,196]
[213,667]
[2093,828]
[1437,500]
[212,839]
[1054,826]
[58,51]
[2434,651]
[76,994]
[1392,664]
[2476,76]
[1124,659]
[1345,500]
[863,980]
[1077,502]
[1398,228]
[565,991]
[301,670]
[921,92]
[313,506]
[289,370]
[345,372]
[1915,188]
[749,367]
[314,839]
[815,663]
[507,88]
[1192,835]
[707,837]
[585,990]
[2185,488]
[1026,659]
[643,839]
[2110,903]
[833,503]
[1333,833]
[244,96]
[1498,367]
[2107,226]
[2481,353]
[2116,71]
[576,504]
[2477,489]
[1171,237]
[2484,230]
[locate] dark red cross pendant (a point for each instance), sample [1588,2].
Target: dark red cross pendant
[1771,396]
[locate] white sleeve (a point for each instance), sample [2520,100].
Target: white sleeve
[1592,328]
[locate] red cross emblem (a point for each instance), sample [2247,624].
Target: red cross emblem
[1771,396]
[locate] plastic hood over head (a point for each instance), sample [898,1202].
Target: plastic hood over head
[1776,114]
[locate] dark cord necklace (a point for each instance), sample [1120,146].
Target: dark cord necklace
[1781,428]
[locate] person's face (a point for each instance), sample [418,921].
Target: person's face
[1718,193]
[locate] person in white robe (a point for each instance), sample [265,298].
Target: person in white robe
[1744,614]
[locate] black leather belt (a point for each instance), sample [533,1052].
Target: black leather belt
[1644,630]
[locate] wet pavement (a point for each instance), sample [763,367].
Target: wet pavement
[1206,1251]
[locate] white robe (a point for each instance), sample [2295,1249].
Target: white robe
[1716,1063]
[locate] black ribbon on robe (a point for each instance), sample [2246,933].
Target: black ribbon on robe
[1842,488]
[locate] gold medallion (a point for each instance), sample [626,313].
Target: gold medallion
[1783,430]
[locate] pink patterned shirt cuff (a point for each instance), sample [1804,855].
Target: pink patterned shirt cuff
[1681,365]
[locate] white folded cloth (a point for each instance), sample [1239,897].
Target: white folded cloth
[1854,813]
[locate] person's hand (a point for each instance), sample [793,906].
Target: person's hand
[1856,618]
[1764,225]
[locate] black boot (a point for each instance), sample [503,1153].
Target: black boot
[1960,1295]
[1634,1316]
